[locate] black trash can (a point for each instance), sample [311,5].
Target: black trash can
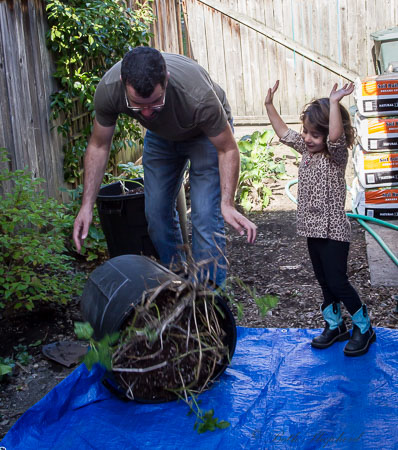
[116,288]
[122,217]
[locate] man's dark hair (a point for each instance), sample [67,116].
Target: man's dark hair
[143,68]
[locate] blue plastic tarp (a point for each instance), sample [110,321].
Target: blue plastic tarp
[278,393]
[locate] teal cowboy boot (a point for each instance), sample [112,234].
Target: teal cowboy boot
[362,334]
[335,329]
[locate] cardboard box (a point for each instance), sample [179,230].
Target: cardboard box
[377,95]
[376,169]
[380,203]
[377,134]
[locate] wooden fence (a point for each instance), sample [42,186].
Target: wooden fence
[246,45]
[167,29]
[26,84]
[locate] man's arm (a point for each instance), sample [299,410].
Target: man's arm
[95,162]
[229,167]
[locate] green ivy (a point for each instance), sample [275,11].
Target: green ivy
[34,261]
[86,38]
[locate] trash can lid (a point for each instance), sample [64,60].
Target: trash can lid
[385,35]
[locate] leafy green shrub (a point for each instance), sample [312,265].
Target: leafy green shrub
[94,247]
[86,37]
[34,265]
[258,166]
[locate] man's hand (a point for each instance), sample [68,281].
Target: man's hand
[81,226]
[239,222]
[229,163]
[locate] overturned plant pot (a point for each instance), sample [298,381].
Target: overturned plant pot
[176,337]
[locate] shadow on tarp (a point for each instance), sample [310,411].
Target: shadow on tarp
[278,393]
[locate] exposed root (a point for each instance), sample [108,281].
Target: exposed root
[174,343]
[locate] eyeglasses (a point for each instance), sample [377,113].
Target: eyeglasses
[141,108]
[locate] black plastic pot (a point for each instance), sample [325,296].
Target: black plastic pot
[116,287]
[123,221]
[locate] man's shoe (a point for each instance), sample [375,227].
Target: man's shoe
[359,343]
[329,337]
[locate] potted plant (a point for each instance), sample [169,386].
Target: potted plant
[121,209]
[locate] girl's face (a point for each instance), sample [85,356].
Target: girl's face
[314,140]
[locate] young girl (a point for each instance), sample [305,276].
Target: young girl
[326,135]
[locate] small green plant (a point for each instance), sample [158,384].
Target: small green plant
[258,166]
[22,355]
[127,171]
[205,420]
[6,367]
[34,261]
[94,247]
[100,351]
[264,302]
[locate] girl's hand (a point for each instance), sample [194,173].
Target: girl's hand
[270,94]
[337,95]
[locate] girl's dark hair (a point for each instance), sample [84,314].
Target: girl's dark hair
[144,68]
[317,114]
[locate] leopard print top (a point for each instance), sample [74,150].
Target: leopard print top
[321,189]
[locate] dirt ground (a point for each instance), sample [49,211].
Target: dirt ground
[277,263]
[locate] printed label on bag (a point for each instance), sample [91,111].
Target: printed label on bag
[380,196]
[381,213]
[382,178]
[380,161]
[380,87]
[382,125]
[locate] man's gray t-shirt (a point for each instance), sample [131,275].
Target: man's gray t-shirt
[194,103]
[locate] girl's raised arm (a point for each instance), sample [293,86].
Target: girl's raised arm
[277,123]
[335,121]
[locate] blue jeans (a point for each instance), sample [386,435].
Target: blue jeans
[164,164]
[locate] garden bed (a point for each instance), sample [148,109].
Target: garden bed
[277,263]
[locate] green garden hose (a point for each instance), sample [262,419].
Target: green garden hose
[361,220]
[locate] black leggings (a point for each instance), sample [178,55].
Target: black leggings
[329,260]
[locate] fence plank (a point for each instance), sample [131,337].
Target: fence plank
[308,46]
[197,31]
[281,39]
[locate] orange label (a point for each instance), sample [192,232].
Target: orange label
[383,125]
[380,161]
[380,196]
[382,87]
